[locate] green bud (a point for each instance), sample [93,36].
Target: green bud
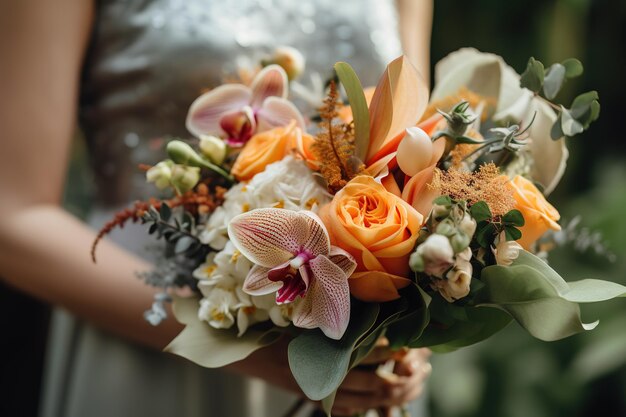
[183,154]
[416,262]
[184,178]
[446,228]
[440,212]
[160,174]
[460,242]
[213,148]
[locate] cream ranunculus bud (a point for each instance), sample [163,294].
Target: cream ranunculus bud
[416,262]
[468,225]
[290,59]
[437,254]
[184,178]
[506,251]
[446,228]
[213,148]
[457,284]
[160,174]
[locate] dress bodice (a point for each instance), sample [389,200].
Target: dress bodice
[149,59]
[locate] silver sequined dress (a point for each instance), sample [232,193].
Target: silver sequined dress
[147,61]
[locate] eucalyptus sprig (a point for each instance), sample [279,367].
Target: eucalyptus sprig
[176,232]
[546,83]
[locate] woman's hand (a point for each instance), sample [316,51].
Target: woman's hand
[367,388]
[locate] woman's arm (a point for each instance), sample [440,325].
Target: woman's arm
[415,21]
[43,249]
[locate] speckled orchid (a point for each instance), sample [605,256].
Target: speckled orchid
[294,258]
[236,111]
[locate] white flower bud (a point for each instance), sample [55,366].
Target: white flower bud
[437,254]
[184,178]
[213,148]
[439,211]
[290,59]
[457,282]
[460,242]
[160,174]
[506,251]
[468,225]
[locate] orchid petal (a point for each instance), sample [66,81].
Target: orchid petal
[277,111]
[258,283]
[417,193]
[271,81]
[400,99]
[269,237]
[206,111]
[327,302]
[318,242]
[342,259]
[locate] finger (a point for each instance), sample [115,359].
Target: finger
[359,402]
[379,354]
[363,381]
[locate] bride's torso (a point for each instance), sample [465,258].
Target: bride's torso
[147,61]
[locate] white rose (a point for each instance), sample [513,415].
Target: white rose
[505,251]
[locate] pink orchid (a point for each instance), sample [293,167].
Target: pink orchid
[294,258]
[237,111]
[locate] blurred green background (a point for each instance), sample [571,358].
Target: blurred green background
[512,374]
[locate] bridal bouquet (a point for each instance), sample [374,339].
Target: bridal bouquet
[421,220]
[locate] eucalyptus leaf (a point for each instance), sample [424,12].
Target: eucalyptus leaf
[165,211]
[532,78]
[569,125]
[183,244]
[583,101]
[410,326]
[539,299]
[443,200]
[327,403]
[319,364]
[553,81]
[358,104]
[209,347]
[471,325]
[556,132]
[485,233]
[573,67]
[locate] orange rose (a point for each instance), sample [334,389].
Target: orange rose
[539,215]
[379,229]
[271,146]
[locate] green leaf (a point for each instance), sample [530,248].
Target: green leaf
[573,67]
[165,211]
[512,233]
[480,211]
[485,234]
[320,364]
[209,347]
[553,81]
[556,132]
[410,326]
[586,108]
[472,325]
[532,77]
[583,101]
[569,124]
[514,217]
[327,403]
[540,300]
[358,104]
[443,200]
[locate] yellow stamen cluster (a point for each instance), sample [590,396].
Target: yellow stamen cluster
[334,145]
[235,256]
[486,185]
